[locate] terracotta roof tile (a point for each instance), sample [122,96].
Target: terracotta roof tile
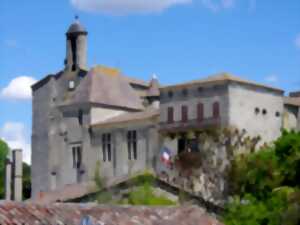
[221,77]
[72,214]
[292,101]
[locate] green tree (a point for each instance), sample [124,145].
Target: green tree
[266,185]
[3,154]
[26,181]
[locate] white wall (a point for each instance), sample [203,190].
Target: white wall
[102,114]
[242,103]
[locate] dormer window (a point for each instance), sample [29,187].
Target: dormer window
[71,85]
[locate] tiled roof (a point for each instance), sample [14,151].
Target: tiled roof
[292,101]
[108,87]
[220,78]
[149,113]
[72,214]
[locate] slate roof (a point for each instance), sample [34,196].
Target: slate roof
[149,113]
[221,77]
[12,213]
[76,27]
[107,87]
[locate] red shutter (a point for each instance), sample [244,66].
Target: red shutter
[216,110]
[170,115]
[200,112]
[184,113]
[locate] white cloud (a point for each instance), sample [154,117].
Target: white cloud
[217,5]
[11,43]
[122,7]
[252,5]
[18,89]
[297,41]
[271,79]
[13,133]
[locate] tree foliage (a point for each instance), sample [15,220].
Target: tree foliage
[266,185]
[4,149]
[3,154]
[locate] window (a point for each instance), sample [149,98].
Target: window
[200,89]
[200,112]
[71,84]
[264,112]
[170,94]
[132,144]
[184,92]
[76,156]
[80,116]
[184,113]
[277,114]
[257,110]
[216,110]
[170,115]
[106,147]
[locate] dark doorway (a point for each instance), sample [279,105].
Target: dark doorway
[181,145]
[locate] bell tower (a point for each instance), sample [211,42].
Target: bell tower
[76,54]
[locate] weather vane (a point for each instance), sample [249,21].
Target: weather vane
[76,17]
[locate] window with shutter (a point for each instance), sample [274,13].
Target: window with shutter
[216,110]
[200,112]
[170,115]
[184,113]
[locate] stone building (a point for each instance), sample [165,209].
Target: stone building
[98,118]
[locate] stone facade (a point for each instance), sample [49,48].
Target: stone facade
[99,119]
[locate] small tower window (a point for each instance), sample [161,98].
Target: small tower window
[277,114]
[71,85]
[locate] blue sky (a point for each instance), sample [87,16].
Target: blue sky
[178,40]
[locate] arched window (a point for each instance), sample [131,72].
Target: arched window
[216,110]
[200,112]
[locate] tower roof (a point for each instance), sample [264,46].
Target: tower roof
[153,90]
[108,87]
[76,27]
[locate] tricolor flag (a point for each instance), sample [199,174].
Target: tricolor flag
[165,156]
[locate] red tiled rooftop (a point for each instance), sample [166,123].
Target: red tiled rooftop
[71,214]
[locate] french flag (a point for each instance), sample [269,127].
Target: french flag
[165,156]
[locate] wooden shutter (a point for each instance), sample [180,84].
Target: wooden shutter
[200,112]
[170,115]
[184,113]
[216,110]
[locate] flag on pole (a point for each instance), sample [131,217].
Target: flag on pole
[165,156]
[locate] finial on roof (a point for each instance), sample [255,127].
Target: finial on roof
[154,76]
[76,17]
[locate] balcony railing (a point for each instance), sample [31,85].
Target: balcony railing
[193,124]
